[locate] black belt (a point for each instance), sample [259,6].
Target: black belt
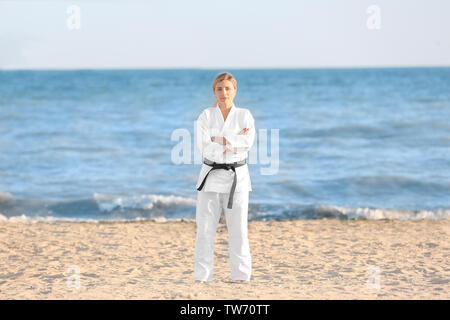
[226,166]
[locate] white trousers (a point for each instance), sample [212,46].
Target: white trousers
[208,210]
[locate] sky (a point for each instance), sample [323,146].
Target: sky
[223,34]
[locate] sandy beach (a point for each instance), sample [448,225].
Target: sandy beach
[295,259]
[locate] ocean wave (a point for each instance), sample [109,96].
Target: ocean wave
[5,196]
[394,214]
[101,207]
[50,219]
[110,202]
[320,211]
[163,208]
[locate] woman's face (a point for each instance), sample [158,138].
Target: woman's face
[225,92]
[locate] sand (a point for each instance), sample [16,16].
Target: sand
[297,259]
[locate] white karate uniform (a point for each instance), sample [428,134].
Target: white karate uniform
[213,198]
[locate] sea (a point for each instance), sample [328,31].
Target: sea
[119,145]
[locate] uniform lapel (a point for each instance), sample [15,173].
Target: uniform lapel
[225,122]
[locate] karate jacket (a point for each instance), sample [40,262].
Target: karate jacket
[211,123]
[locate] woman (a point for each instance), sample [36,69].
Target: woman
[225,134]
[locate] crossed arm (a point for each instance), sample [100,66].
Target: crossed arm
[213,147]
[223,141]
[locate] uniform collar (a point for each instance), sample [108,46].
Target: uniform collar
[232,109]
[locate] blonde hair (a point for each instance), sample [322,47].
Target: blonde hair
[224,76]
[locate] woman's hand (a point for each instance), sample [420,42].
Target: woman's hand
[220,140]
[228,150]
[224,141]
[233,150]
[244,131]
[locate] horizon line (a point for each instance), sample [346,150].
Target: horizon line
[227,68]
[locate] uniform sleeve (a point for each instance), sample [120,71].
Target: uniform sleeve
[243,142]
[210,150]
